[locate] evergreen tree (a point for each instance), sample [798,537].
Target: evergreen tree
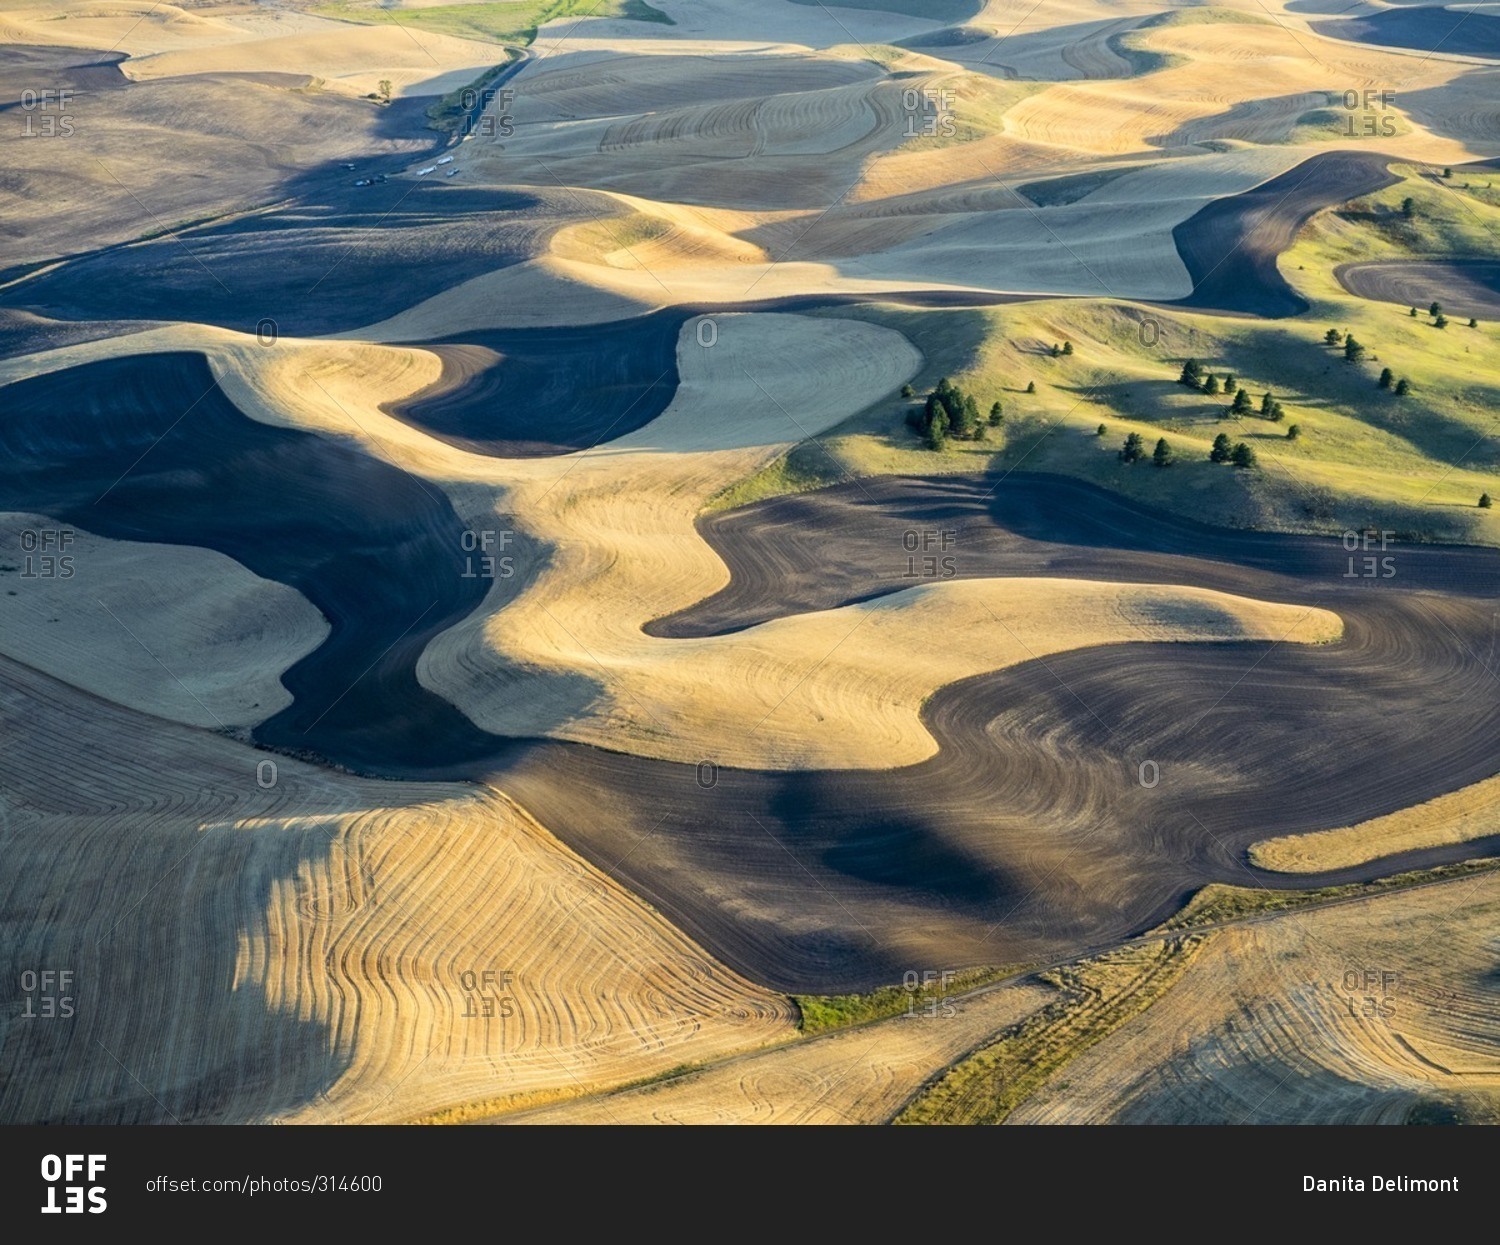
[1056,350]
[981,433]
[1333,337]
[908,392]
[1484,501]
[1229,385]
[1162,455]
[1441,321]
[1413,313]
[1473,323]
[1067,347]
[1353,350]
[1294,432]
[1221,451]
[1241,404]
[1278,412]
[1436,309]
[1267,403]
[1403,387]
[1134,448]
[1031,386]
[1242,455]
[1101,431]
[1387,378]
[1211,385]
[997,412]
[937,430]
[1192,374]
[1408,208]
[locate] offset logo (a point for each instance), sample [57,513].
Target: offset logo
[65,1170]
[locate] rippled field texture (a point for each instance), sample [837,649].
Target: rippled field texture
[507,614]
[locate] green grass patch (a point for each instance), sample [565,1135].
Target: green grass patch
[513,23]
[1204,15]
[1413,465]
[1060,191]
[1483,188]
[974,108]
[949,37]
[820,1013]
[1367,458]
[1333,123]
[802,468]
[449,112]
[1218,902]
[1096,998]
[1131,47]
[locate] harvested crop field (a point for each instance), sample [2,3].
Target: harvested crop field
[1081,722]
[150,449]
[553,562]
[1056,741]
[295,944]
[1376,1012]
[861,1076]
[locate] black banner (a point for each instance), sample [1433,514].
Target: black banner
[76,1179]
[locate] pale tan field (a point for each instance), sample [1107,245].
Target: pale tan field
[352,61]
[1377,1010]
[857,1076]
[297,944]
[909,177]
[167,40]
[174,630]
[616,547]
[818,691]
[1361,1013]
[1460,817]
[256,939]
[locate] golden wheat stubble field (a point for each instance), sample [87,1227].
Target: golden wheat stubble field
[281,645]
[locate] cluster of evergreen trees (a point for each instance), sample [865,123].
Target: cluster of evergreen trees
[950,413]
[1354,352]
[1439,320]
[1134,450]
[1240,454]
[1388,380]
[1241,404]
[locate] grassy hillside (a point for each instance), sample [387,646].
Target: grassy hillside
[1095,998]
[515,22]
[1413,464]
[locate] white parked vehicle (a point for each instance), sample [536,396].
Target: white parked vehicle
[445,159]
[423,172]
